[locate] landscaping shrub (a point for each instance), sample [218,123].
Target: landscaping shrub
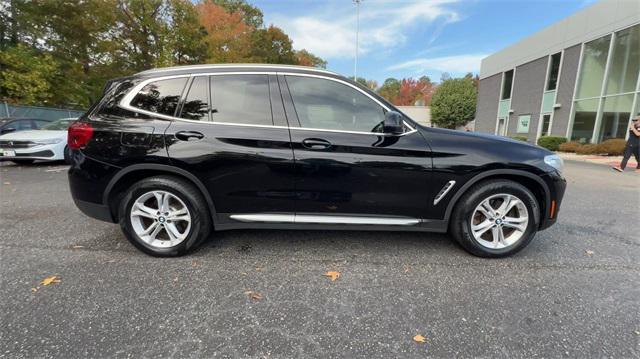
[569,146]
[520,138]
[551,142]
[613,147]
[589,149]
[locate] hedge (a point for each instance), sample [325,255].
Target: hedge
[612,147]
[569,146]
[520,138]
[551,143]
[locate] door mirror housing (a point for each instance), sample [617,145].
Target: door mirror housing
[393,123]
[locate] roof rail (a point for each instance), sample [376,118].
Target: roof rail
[230,66]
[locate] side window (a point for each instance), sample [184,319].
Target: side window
[330,105]
[196,105]
[242,99]
[22,125]
[160,96]
[40,123]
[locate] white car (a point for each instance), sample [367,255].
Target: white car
[47,143]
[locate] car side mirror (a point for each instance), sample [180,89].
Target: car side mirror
[7,130]
[393,123]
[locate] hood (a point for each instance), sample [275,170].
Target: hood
[482,136]
[34,135]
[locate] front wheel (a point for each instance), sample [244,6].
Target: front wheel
[164,216]
[495,218]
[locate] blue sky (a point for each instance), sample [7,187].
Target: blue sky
[405,38]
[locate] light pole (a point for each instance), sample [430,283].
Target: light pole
[355,64]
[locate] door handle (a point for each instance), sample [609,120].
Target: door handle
[316,144]
[189,135]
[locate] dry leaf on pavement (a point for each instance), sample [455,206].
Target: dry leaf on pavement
[50,280]
[333,275]
[253,295]
[589,252]
[419,339]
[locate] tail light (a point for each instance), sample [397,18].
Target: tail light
[79,134]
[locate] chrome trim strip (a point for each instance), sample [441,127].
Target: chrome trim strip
[443,192]
[274,218]
[126,103]
[231,66]
[324,219]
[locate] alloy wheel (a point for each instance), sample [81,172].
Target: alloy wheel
[160,219]
[499,221]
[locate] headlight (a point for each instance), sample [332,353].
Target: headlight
[554,161]
[49,142]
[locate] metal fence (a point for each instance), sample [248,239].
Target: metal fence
[47,113]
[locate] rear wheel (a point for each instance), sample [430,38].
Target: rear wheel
[495,218]
[164,216]
[67,155]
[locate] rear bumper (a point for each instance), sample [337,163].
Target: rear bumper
[94,210]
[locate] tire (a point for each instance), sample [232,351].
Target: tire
[67,155]
[181,194]
[496,193]
[23,162]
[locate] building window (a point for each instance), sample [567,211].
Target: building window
[594,62]
[546,124]
[584,120]
[616,111]
[625,62]
[523,123]
[554,70]
[507,82]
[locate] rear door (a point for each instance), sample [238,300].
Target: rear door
[345,164]
[233,135]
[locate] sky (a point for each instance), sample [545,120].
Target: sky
[412,38]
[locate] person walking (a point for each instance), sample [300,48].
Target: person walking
[633,145]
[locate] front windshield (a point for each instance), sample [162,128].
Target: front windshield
[59,125]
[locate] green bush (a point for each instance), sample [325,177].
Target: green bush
[551,143]
[569,146]
[453,103]
[520,138]
[613,147]
[589,149]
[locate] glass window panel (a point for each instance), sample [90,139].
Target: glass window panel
[546,122]
[503,108]
[625,61]
[547,101]
[523,123]
[594,60]
[326,104]
[196,105]
[241,99]
[554,69]
[584,120]
[506,85]
[160,96]
[616,112]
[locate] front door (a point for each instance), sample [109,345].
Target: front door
[235,140]
[346,166]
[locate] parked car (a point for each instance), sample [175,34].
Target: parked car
[171,154]
[48,143]
[10,124]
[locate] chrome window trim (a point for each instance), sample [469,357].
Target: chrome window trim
[323,219]
[125,103]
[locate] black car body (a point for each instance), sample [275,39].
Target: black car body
[266,146]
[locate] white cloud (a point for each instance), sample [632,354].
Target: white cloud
[330,33]
[452,64]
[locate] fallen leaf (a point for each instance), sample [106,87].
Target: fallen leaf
[7,183]
[175,279]
[34,289]
[407,269]
[637,332]
[589,252]
[253,295]
[194,264]
[419,339]
[77,247]
[333,275]
[50,280]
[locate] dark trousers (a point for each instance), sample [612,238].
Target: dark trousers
[631,149]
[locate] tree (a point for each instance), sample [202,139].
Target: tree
[453,103]
[228,36]
[390,89]
[272,46]
[26,75]
[305,58]
[251,15]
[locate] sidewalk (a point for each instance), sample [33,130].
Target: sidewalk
[603,160]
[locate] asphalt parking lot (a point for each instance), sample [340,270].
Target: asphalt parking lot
[574,292]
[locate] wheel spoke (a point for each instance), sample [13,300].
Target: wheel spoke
[519,223]
[498,237]
[480,229]
[151,228]
[140,209]
[159,199]
[173,232]
[486,209]
[505,206]
[179,215]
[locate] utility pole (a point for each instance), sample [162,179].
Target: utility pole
[355,64]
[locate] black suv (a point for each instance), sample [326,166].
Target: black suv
[174,153]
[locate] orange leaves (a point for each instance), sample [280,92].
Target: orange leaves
[419,339]
[253,295]
[50,280]
[333,275]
